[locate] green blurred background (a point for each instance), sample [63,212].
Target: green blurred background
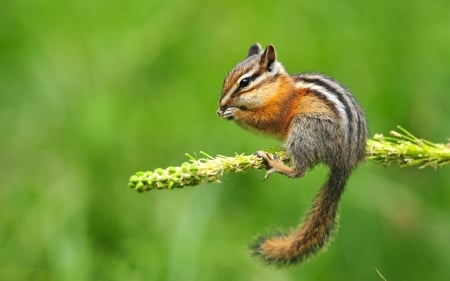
[93,91]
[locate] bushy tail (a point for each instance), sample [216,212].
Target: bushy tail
[313,233]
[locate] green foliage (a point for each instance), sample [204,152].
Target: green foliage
[194,172]
[404,149]
[92,91]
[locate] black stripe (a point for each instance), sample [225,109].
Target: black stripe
[362,132]
[239,91]
[334,90]
[255,75]
[330,104]
[322,82]
[252,78]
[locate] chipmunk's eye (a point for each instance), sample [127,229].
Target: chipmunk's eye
[244,82]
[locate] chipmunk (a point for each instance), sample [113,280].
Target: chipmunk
[318,120]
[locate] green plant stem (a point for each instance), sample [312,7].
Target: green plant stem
[400,148]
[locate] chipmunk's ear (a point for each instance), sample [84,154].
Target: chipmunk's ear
[268,57]
[254,49]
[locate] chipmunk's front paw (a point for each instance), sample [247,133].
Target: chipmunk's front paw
[269,160]
[267,157]
[229,113]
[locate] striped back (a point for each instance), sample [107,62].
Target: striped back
[341,101]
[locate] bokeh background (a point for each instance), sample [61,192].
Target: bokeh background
[93,91]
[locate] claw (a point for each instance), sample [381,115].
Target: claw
[267,159]
[273,165]
[268,173]
[228,113]
[264,155]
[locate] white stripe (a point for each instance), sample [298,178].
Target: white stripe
[332,83]
[330,96]
[324,78]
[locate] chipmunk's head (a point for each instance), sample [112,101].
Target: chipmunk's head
[252,82]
